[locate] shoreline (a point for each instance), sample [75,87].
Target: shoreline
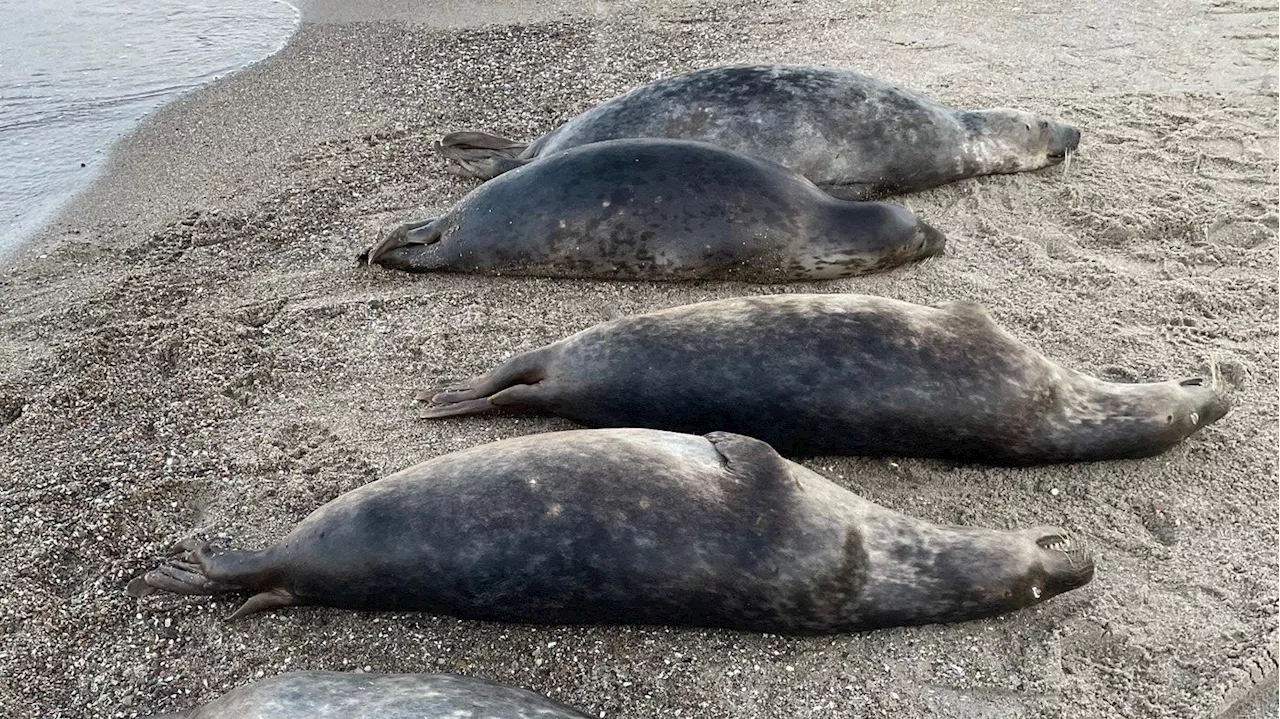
[80,87]
[193,350]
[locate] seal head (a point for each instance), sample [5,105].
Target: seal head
[1003,140]
[988,574]
[1101,420]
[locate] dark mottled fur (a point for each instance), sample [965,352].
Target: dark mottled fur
[348,695]
[841,374]
[634,526]
[663,210]
[855,136]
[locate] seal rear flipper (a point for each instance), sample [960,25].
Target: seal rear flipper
[515,397]
[421,232]
[195,568]
[457,409]
[480,155]
[184,578]
[512,384]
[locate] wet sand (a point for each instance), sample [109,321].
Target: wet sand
[191,349]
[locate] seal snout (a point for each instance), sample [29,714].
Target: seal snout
[1064,139]
[929,240]
[1066,561]
[1207,404]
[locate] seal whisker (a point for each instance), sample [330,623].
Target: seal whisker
[1075,548]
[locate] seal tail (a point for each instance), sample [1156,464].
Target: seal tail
[195,568]
[481,155]
[511,384]
[421,232]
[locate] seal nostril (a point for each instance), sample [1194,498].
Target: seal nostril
[1193,382]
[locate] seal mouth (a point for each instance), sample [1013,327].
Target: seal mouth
[1066,562]
[930,241]
[1057,542]
[1065,140]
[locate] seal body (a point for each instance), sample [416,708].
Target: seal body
[634,526]
[853,135]
[350,695]
[841,374]
[659,210]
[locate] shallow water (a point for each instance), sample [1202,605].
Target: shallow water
[76,75]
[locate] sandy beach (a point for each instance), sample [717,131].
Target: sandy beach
[191,349]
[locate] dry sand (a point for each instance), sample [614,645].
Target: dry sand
[191,349]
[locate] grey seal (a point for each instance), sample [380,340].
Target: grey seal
[855,136]
[659,210]
[841,374]
[352,695]
[634,526]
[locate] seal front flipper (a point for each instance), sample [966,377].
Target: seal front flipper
[740,452]
[262,601]
[480,155]
[422,232]
[514,384]
[749,458]
[854,191]
[973,312]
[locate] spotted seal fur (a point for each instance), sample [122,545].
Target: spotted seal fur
[659,210]
[634,526]
[841,374]
[854,136]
